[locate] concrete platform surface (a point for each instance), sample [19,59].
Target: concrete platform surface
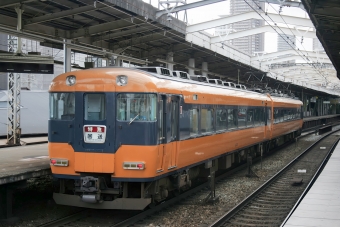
[313,118]
[21,162]
[26,141]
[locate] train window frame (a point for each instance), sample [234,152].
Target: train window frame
[242,117]
[276,115]
[232,117]
[194,122]
[207,120]
[269,115]
[102,107]
[286,114]
[56,104]
[250,117]
[221,116]
[122,110]
[259,118]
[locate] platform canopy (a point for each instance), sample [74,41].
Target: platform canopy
[139,33]
[325,16]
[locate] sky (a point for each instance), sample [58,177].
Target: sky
[213,11]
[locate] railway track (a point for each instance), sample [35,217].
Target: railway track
[274,200]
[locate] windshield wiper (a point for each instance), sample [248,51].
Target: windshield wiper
[133,119]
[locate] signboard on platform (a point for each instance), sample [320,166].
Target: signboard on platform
[15,67]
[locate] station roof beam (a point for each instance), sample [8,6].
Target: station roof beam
[7,3]
[325,16]
[266,28]
[62,14]
[187,6]
[246,16]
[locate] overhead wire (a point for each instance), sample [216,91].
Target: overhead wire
[294,36]
[297,51]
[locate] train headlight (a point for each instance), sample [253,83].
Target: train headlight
[70,80]
[122,80]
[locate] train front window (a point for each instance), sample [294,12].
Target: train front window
[62,106]
[136,107]
[94,107]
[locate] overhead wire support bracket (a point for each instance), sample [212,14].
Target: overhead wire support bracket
[185,7]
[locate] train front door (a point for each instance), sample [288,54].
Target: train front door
[174,131]
[162,122]
[168,130]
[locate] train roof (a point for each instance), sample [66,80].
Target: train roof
[104,79]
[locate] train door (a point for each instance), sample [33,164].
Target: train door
[162,123]
[174,131]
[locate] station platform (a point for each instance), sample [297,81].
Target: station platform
[22,162]
[321,205]
[313,118]
[316,121]
[26,141]
[17,165]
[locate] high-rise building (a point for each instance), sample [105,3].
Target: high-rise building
[253,43]
[285,42]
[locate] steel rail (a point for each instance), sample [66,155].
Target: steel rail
[67,219]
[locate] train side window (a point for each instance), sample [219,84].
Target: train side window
[269,116]
[258,116]
[207,120]
[160,121]
[232,118]
[137,107]
[289,114]
[94,107]
[221,119]
[250,117]
[62,106]
[263,116]
[174,119]
[295,116]
[193,122]
[276,115]
[242,117]
[281,113]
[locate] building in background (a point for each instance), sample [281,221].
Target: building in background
[249,44]
[283,42]
[286,42]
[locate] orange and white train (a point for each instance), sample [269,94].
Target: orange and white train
[125,138]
